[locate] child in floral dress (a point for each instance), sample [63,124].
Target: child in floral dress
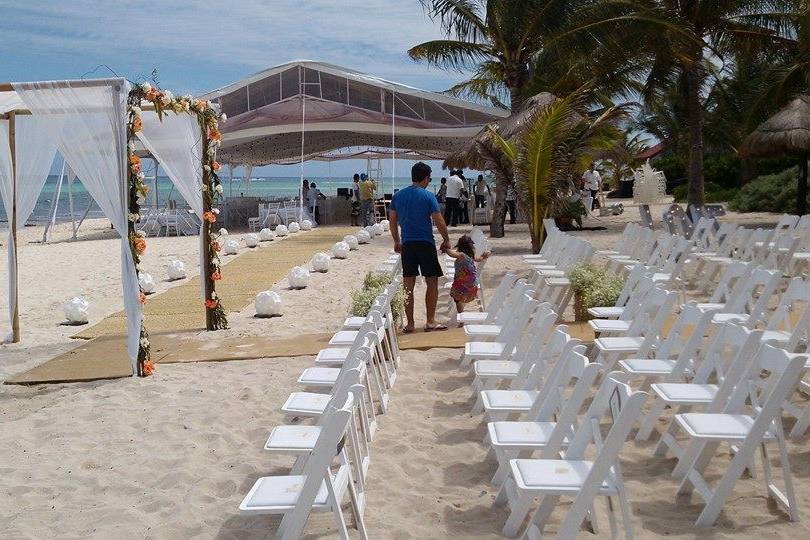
[465,282]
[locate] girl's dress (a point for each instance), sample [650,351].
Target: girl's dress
[465,282]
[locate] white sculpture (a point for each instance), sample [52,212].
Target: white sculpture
[351,241]
[385,224]
[251,240]
[363,236]
[146,283]
[266,235]
[231,247]
[268,304]
[223,231]
[378,229]
[320,262]
[293,227]
[298,277]
[340,250]
[176,270]
[76,310]
[306,225]
[650,185]
[281,230]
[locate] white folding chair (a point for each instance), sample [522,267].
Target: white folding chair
[495,303]
[504,345]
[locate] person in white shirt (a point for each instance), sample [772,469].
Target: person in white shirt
[592,181]
[452,210]
[482,192]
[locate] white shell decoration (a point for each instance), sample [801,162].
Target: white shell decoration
[294,227]
[298,277]
[76,310]
[385,224]
[281,230]
[231,247]
[306,225]
[378,229]
[223,231]
[265,235]
[363,236]
[320,262]
[268,304]
[351,241]
[146,283]
[176,270]
[251,240]
[340,250]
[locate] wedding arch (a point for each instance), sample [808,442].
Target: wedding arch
[93,123]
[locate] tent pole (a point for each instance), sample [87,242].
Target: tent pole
[393,140]
[301,180]
[70,204]
[157,170]
[15,316]
[54,204]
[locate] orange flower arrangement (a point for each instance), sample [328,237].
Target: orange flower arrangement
[148,368]
[210,217]
[142,298]
[134,159]
[214,135]
[216,276]
[140,245]
[211,304]
[137,124]
[216,166]
[215,246]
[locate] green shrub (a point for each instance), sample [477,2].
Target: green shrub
[373,286]
[712,192]
[768,193]
[595,285]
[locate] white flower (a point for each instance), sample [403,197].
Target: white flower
[144,342]
[186,106]
[141,176]
[167,96]
[206,168]
[135,110]
[140,199]
[140,233]
[204,188]
[223,118]
[146,87]
[187,97]
[215,211]
[131,146]
[211,150]
[213,295]
[134,217]
[219,188]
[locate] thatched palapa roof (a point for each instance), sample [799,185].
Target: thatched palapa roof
[786,132]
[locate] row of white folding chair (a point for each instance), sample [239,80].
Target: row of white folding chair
[495,306]
[510,320]
[551,281]
[636,242]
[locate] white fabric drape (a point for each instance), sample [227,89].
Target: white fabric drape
[94,144]
[35,147]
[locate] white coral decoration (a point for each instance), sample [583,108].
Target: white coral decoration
[251,240]
[223,231]
[176,270]
[385,224]
[294,227]
[231,247]
[378,229]
[140,233]
[265,235]
[306,225]
[298,277]
[146,87]
[370,230]
[281,230]
[340,250]
[146,282]
[351,241]
[76,310]
[268,304]
[320,262]
[363,236]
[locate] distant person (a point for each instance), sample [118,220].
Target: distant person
[315,196]
[465,282]
[482,192]
[442,193]
[305,190]
[451,199]
[511,203]
[463,207]
[412,210]
[592,181]
[367,189]
[355,200]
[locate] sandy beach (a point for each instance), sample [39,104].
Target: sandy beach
[171,456]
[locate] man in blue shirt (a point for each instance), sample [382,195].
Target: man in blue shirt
[412,209]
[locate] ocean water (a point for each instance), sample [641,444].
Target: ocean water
[257,187]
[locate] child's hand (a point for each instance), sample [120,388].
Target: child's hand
[485,255]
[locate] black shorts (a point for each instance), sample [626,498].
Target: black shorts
[420,258]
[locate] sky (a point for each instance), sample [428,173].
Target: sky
[200,45]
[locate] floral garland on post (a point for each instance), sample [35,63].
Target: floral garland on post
[163,101]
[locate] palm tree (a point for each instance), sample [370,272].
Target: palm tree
[498,40]
[622,158]
[558,139]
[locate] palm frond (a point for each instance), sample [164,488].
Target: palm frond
[459,18]
[450,54]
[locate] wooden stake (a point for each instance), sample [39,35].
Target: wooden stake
[15,316]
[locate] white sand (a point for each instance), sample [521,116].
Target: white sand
[171,456]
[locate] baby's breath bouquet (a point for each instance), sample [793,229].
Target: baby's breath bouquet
[593,287]
[373,286]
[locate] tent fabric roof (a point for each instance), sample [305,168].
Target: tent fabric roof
[10,101]
[341,108]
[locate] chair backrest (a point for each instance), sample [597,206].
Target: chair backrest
[512,300]
[499,295]
[655,314]
[654,303]
[792,315]
[571,364]
[517,321]
[631,284]
[663,246]
[733,273]
[728,357]
[535,368]
[676,259]
[536,334]
[702,233]
[646,216]
[752,295]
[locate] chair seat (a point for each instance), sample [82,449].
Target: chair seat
[606,312]
[483,349]
[292,438]
[343,337]
[551,273]
[647,366]
[332,355]
[618,344]
[802,255]
[709,306]
[544,266]
[508,400]
[353,323]
[609,325]
[606,252]
[523,434]
[482,330]
[306,403]
[659,277]
[720,318]
[682,393]
[558,282]
[775,335]
[496,368]
[472,317]
[555,476]
[717,426]
[319,376]
[275,494]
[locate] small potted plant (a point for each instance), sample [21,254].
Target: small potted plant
[593,287]
[570,210]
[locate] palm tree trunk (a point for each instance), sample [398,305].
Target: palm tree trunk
[694,111]
[496,227]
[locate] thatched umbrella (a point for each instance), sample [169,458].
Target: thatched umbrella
[786,132]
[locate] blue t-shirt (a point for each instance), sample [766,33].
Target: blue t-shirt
[413,206]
